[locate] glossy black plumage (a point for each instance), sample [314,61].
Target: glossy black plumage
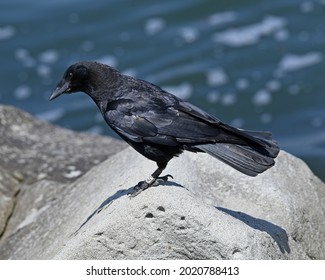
[160,126]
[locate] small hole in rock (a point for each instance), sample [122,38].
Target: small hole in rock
[160,208]
[149,215]
[236,251]
[182,218]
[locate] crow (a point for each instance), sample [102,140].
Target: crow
[161,126]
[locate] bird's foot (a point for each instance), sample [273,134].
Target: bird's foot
[150,182]
[140,187]
[162,179]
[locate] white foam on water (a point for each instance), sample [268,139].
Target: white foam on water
[228,99]
[294,89]
[189,34]
[238,122]
[96,129]
[250,34]
[49,56]
[216,77]
[242,84]
[23,56]
[130,72]
[7,32]
[262,98]
[213,97]
[183,91]
[265,118]
[87,46]
[282,35]
[109,60]
[154,25]
[293,62]
[52,115]
[222,18]
[273,85]
[22,92]
[44,71]
[307,7]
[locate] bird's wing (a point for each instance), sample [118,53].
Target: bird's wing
[224,132]
[196,112]
[140,121]
[161,119]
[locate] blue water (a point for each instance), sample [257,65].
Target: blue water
[254,64]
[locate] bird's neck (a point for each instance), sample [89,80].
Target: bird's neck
[103,90]
[100,99]
[110,90]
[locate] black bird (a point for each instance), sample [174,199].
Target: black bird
[161,126]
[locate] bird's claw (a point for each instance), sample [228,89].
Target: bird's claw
[165,178]
[162,179]
[143,185]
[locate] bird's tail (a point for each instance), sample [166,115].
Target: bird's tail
[252,155]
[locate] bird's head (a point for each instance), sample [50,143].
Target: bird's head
[74,79]
[95,79]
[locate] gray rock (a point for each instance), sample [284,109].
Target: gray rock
[31,150]
[34,150]
[8,192]
[221,214]
[208,211]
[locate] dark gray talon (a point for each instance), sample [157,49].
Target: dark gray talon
[141,186]
[150,182]
[165,178]
[162,179]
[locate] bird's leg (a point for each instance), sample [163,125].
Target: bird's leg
[152,180]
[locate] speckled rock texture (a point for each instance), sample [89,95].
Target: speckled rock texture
[32,151]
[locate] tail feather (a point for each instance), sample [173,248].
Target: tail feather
[251,159]
[266,141]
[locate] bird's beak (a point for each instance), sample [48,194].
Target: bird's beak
[62,87]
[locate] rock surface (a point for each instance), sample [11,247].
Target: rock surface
[31,151]
[208,211]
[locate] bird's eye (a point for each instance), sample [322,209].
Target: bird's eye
[70,75]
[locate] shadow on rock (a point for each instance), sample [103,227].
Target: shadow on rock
[108,201]
[278,234]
